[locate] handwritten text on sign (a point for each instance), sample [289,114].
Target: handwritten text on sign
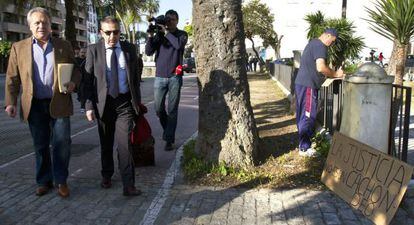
[368,179]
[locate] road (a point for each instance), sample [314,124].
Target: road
[16,141]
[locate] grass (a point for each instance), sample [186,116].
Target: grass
[280,165]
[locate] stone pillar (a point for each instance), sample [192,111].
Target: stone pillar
[367,106]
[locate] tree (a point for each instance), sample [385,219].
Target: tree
[189,29]
[5,47]
[258,21]
[129,13]
[347,46]
[227,130]
[70,27]
[344,5]
[394,20]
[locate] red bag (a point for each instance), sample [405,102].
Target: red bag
[142,141]
[179,70]
[142,130]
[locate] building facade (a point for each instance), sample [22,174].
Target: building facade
[14,27]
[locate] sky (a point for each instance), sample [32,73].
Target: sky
[183,7]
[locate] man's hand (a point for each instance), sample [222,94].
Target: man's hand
[90,115]
[11,110]
[70,87]
[163,28]
[339,73]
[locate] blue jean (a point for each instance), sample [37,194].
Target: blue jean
[47,131]
[167,117]
[306,110]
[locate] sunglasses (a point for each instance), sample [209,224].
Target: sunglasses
[109,32]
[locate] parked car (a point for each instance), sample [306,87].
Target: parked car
[189,65]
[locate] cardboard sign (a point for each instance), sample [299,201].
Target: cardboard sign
[367,179]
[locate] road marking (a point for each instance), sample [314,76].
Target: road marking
[76,172]
[154,209]
[30,154]
[74,135]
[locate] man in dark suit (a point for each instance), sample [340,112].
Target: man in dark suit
[112,72]
[32,70]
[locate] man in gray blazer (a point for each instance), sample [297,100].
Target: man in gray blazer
[113,81]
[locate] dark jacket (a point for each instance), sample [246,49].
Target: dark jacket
[95,77]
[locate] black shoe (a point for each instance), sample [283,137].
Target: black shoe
[168,146]
[106,183]
[131,191]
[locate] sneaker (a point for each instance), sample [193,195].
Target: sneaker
[310,152]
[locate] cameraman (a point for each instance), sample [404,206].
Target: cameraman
[168,44]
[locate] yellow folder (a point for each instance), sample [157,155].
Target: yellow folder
[64,75]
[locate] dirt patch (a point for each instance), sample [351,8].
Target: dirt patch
[280,165]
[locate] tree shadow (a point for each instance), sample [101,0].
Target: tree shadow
[276,127]
[240,205]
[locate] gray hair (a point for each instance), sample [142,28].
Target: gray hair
[39,10]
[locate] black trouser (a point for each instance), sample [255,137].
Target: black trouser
[116,124]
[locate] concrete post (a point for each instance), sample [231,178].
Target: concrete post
[367,106]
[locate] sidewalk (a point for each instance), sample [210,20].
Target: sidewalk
[166,198]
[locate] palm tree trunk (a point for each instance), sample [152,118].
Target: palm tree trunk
[124,25]
[227,130]
[70,29]
[391,65]
[344,3]
[400,58]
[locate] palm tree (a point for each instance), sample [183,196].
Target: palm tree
[130,12]
[394,20]
[227,130]
[347,46]
[70,27]
[344,3]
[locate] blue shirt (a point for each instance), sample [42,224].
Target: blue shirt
[170,51]
[43,63]
[122,75]
[308,75]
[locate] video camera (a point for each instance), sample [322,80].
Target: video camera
[155,23]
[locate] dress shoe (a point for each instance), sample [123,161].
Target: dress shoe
[168,146]
[43,189]
[106,183]
[131,191]
[63,190]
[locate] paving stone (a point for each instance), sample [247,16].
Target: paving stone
[331,218]
[351,222]
[327,207]
[347,214]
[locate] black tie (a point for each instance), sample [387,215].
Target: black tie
[114,86]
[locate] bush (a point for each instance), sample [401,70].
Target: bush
[321,144]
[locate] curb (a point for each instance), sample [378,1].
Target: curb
[157,203]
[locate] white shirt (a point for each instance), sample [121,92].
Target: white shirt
[122,74]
